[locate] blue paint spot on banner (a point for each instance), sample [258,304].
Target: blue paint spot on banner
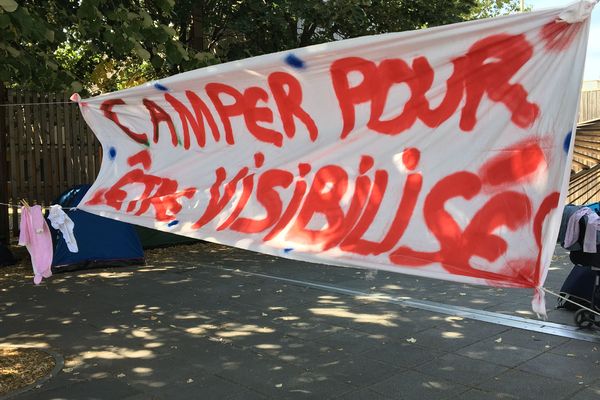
[112,153]
[294,61]
[161,87]
[172,223]
[288,249]
[567,143]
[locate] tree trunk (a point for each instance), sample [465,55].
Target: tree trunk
[197,38]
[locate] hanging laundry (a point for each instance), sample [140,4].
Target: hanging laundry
[61,221]
[572,232]
[569,232]
[35,235]
[590,239]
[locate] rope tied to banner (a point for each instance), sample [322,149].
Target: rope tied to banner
[570,301]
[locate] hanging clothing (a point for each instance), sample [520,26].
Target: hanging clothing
[61,221]
[591,233]
[572,232]
[592,227]
[568,211]
[35,235]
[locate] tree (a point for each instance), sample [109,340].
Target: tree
[493,8]
[53,44]
[27,43]
[238,29]
[105,45]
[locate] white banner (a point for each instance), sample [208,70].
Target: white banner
[442,152]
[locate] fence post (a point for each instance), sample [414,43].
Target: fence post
[4,228]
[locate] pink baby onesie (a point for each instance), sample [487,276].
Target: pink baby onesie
[36,236]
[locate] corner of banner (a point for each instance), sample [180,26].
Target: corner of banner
[578,12]
[538,303]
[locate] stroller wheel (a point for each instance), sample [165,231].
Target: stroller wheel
[584,318]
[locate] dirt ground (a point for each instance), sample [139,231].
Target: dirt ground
[21,367]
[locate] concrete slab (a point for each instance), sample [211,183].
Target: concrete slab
[455,368]
[412,385]
[524,385]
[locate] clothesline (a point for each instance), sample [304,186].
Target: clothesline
[43,207]
[36,104]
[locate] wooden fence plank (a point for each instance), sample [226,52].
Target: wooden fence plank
[60,144]
[4,224]
[15,164]
[83,147]
[21,188]
[54,190]
[37,136]
[589,105]
[29,143]
[78,144]
[46,149]
[68,142]
[91,154]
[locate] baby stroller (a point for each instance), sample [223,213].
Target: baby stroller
[585,318]
[583,283]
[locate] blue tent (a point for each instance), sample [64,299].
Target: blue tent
[102,242]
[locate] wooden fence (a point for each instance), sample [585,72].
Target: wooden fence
[47,148]
[589,106]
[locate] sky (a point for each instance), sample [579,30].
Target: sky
[592,62]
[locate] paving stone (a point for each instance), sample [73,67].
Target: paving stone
[263,374]
[306,330]
[476,394]
[244,395]
[589,393]
[412,385]
[579,349]
[99,389]
[449,338]
[363,394]
[357,370]
[212,356]
[403,355]
[394,324]
[455,368]
[144,396]
[301,353]
[525,385]
[351,341]
[500,353]
[529,340]
[313,385]
[570,369]
[201,387]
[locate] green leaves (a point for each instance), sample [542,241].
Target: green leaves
[9,5]
[142,53]
[4,21]
[103,45]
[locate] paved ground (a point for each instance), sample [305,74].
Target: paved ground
[181,328]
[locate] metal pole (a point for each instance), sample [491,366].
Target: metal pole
[522,5]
